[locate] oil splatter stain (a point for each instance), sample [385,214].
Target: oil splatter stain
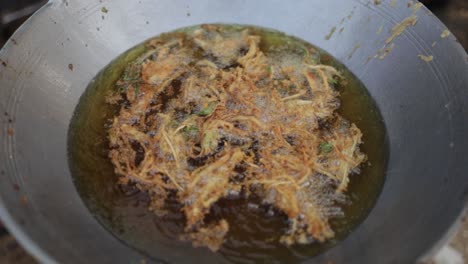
[332,31]
[379,30]
[381,54]
[399,28]
[356,47]
[445,33]
[351,14]
[426,58]
[416,7]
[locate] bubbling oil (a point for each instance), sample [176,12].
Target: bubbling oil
[254,228]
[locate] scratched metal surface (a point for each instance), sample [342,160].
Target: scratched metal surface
[424,105]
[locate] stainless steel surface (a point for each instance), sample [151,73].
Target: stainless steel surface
[11,11]
[424,105]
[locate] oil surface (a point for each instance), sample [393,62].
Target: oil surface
[252,235]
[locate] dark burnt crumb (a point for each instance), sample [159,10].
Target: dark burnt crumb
[16,187]
[14,41]
[70,67]
[4,63]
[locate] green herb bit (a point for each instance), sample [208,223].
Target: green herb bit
[210,141]
[313,58]
[333,81]
[190,131]
[208,110]
[132,73]
[130,77]
[286,90]
[326,147]
[137,90]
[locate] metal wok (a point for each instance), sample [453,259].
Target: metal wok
[48,63]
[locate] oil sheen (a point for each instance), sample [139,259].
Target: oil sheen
[252,237]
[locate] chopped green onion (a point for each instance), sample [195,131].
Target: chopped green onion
[190,131]
[208,110]
[131,77]
[137,90]
[326,147]
[333,81]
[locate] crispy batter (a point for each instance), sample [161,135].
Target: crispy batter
[211,236]
[193,116]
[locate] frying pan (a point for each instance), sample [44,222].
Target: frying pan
[50,60]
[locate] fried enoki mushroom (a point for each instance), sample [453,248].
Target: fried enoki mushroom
[209,113]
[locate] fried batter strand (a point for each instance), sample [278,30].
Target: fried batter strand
[209,106]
